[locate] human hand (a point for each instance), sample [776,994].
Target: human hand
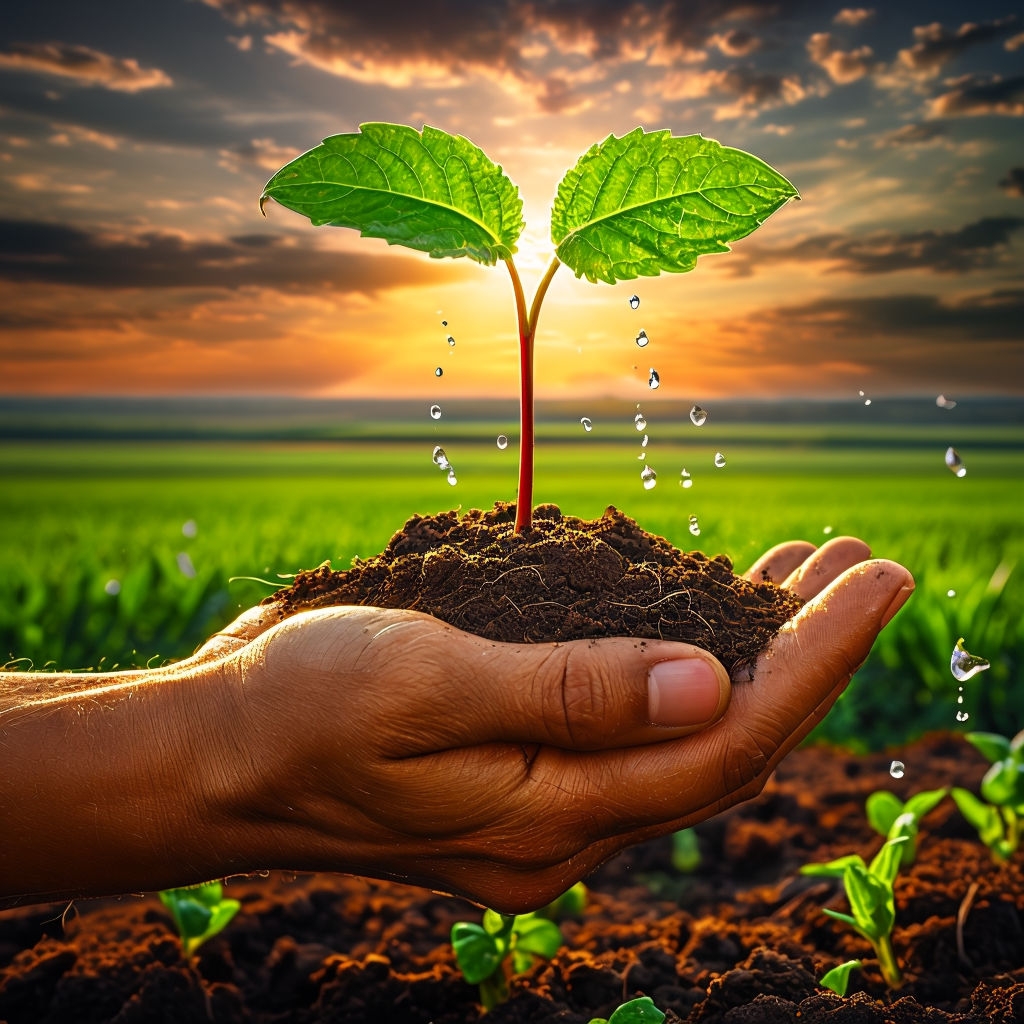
[390,744]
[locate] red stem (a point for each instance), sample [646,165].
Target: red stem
[527,332]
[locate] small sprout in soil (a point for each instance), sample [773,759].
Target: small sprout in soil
[891,817]
[685,851]
[199,912]
[999,815]
[636,1011]
[636,206]
[838,979]
[869,890]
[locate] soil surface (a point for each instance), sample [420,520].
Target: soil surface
[740,940]
[562,579]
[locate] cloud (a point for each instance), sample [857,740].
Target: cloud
[854,16]
[842,66]
[907,135]
[1014,43]
[69,134]
[737,42]
[1013,183]
[41,252]
[973,96]
[84,65]
[936,47]
[748,90]
[259,154]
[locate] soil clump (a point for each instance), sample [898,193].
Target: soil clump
[564,578]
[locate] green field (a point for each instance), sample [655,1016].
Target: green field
[78,514]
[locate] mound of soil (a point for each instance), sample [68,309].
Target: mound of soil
[740,940]
[562,579]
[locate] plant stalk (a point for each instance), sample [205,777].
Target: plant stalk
[527,332]
[887,961]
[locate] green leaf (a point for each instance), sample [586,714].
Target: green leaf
[839,916]
[927,800]
[838,979]
[571,903]
[537,935]
[982,816]
[685,851]
[871,901]
[834,868]
[651,202]
[637,1011]
[425,190]
[882,809]
[990,744]
[199,912]
[476,952]
[886,863]
[1003,784]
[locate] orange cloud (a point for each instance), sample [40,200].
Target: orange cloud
[84,66]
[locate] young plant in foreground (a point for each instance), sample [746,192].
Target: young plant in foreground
[891,818]
[999,814]
[838,979]
[636,1011]
[873,906]
[639,205]
[199,912]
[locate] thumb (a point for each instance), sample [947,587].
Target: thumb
[584,694]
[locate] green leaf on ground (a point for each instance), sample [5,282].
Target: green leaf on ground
[425,190]
[650,202]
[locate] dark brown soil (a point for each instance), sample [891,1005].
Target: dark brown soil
[741,940]
[562,579]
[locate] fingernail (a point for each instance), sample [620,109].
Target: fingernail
[682,692]
[897,603]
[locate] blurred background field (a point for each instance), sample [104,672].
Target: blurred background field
[129,526]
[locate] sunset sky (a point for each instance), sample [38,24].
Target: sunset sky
[135,139]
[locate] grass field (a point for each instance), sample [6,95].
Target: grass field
[77,515]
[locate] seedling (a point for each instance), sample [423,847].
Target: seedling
[503,944]
[838,979]
[636,1011]
[891,817]
[685,851]
[998,815]
[199,912]
[869,890]
[639,205]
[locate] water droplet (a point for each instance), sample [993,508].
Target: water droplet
[867,401]
[945,403]
[439,372]
[642,341]
[897,769]
[684,479]
[694,526]
[588,426]
[452,478]
[634,301]
[951,592]
[698,416]
[719,459]
[185,566]
[189,528]
[827,530]
[435,412]
[444,323]
[649,477]
[861,393]
[962,716]
[440,458]
[963,664]
[654,380]
[112,587]
[642,456]
[502,442]
[643,443]
[639,422]
[955,463]
[451,341]
[960,696]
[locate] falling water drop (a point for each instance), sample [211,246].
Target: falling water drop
[112,587]
[634,301]
[694,526]
[588,426]
[451,341]
[189,528]
[440,458]
[642,340]
[439,372]
[945,403]
[649,477]
[951,592]
[643,443]
[897,769]
[684,479]
[435,412]
[654,380]
[452,478]
[827,530]
[962,716]
[444,323]
[955,463]
[642,456]
[185,566]
[639,422]
[719,459]
[963,664]
[502,442]
[698,416]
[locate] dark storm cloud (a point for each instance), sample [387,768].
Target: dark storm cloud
[38,252]
[1013,183]
[972,96]
[936,46]
[909,135]
[83,65]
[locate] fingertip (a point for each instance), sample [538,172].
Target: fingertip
[687,692]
